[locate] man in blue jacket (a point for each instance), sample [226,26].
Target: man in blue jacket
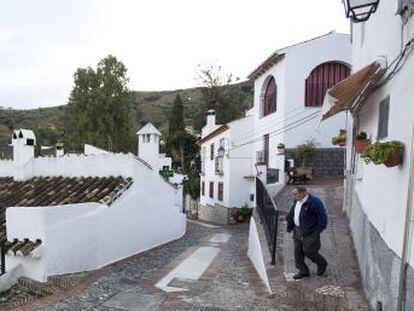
[307,219]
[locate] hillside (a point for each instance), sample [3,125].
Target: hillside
[146,106]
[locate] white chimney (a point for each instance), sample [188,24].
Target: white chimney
[23,142]
[60,152]
[211,118]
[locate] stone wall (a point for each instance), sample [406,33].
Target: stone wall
[379,265]
[328,163]
[217,214]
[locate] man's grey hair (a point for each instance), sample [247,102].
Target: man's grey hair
[300,189]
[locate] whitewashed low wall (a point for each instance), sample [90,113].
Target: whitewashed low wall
[255,253]
[88,236]
[6,168]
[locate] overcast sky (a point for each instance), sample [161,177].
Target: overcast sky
[161,42]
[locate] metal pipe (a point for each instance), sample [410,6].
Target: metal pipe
[407,232]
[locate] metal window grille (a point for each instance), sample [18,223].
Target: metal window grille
[220,191]
[384,108]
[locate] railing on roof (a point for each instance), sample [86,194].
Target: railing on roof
[269,215]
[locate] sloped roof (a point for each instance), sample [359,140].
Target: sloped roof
[279,54]
[149,128]
[49,191]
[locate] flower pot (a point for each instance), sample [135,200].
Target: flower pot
[394,159]
[361,145]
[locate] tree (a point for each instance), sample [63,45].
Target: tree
[219,93]
[98,111]
[180,145]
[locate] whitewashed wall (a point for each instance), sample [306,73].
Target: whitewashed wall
[255,253]
[383,191]
[88,236]
[290,75]
[6,168]
[237,163]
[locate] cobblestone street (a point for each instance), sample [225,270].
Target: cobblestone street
[228,283]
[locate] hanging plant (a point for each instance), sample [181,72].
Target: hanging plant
[361,142]
[340,139]
[388,153]
[280,149]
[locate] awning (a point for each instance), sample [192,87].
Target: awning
[348,92]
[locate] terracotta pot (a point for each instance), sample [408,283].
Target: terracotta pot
[394,159]
[342,143]
[361,145]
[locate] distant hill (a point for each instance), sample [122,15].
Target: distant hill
[146,106]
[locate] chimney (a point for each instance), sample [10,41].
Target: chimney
[211,118]
[60,152]
[23,142]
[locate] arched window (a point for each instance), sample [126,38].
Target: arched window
[269,97]
[321,79]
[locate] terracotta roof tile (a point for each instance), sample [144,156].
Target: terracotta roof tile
[49,191]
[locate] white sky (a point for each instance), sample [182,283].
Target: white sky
[161,42]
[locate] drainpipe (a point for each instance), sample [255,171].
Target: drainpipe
[407,233]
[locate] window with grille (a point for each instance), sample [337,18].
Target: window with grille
[220,191]
[212,152]
[321,79]
[384,108]
[203,160]
[269,99]
[211,189]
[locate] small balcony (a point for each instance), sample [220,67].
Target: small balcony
[260,157]
[218,166]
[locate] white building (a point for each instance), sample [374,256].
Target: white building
[149,139]
[378,198]
[226,179]
[81,212]
[289,88]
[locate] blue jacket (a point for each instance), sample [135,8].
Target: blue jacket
[312,217]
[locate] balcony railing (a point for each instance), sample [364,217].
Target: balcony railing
[260,157]
[218,166]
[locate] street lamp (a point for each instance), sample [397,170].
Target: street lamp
[360,10]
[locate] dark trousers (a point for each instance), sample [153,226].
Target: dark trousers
[307,246]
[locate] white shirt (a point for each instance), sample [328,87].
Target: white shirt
[298,207]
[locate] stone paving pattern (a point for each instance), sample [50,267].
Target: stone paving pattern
[230,282]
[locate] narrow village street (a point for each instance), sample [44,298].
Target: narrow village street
[208,269]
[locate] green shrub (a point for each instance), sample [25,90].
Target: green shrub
[379,152]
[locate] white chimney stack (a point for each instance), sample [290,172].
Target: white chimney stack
[23,142]
[60,152]
[211,118]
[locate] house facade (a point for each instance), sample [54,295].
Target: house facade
[289,88]
[379,198]
[226,179]
[78,213]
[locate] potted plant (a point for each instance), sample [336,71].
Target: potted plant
[340,139]
[361,142]
[306,152]
[280,149]
[388,153]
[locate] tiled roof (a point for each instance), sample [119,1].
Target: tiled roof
[21,248]
[49,191]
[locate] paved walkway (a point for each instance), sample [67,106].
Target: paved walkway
[208,269]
